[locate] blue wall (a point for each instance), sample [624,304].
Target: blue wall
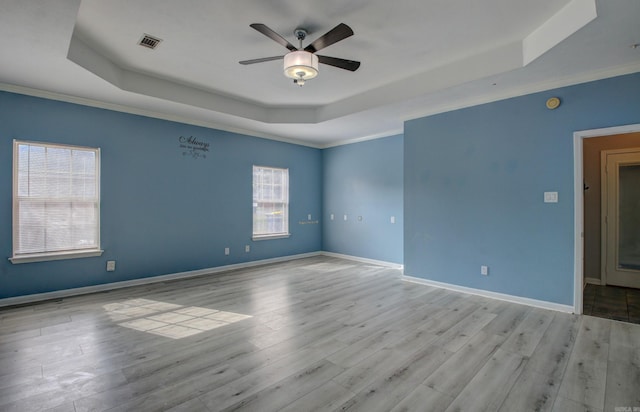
[465,187]
[161,211]
[474,182]
[364,179]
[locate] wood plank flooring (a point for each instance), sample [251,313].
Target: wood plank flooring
[315,334]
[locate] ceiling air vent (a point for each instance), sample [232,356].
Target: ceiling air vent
[149,41]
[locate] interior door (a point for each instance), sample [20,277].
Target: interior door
[621,196]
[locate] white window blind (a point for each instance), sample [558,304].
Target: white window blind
[270,202]
[56,200]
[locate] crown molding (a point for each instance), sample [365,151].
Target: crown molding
[28,91]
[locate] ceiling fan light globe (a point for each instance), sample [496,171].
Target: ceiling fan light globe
[300,65]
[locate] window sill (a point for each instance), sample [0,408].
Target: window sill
[44,257]
[269,237]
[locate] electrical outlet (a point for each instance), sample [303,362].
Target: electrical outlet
[332,216]
[309,216]
[484,270]
[226,251]
[247,248]
[345,217]
[393,219]
[111,265]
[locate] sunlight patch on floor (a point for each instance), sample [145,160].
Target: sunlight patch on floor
[169,319]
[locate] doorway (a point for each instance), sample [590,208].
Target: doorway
[620,253]
[596,293]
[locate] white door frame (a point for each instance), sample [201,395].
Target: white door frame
[578,203]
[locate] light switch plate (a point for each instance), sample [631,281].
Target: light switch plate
[551,197]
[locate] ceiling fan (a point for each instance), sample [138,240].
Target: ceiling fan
[302,64]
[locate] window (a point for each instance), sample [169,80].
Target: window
[270,202]
[56,202]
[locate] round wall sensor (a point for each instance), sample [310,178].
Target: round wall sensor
[553,103]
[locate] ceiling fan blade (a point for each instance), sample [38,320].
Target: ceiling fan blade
[263,59]
[273,35]
[340,32]
[351,65]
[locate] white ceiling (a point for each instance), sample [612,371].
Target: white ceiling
[418,57]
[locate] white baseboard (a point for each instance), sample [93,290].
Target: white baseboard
[592,281]
[364,260]
[20,300]
[493,295]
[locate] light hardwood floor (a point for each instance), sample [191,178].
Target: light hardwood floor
[316,334]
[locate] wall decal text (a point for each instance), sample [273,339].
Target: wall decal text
[193,147]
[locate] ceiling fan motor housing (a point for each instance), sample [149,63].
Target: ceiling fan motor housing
[301,34]
[300,64]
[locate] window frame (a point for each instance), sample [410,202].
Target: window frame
[27,257]
[273,235]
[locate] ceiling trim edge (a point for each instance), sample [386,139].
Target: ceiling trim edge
[381,135]
[529,89]
[570,19]
[28,91]
[510,93]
